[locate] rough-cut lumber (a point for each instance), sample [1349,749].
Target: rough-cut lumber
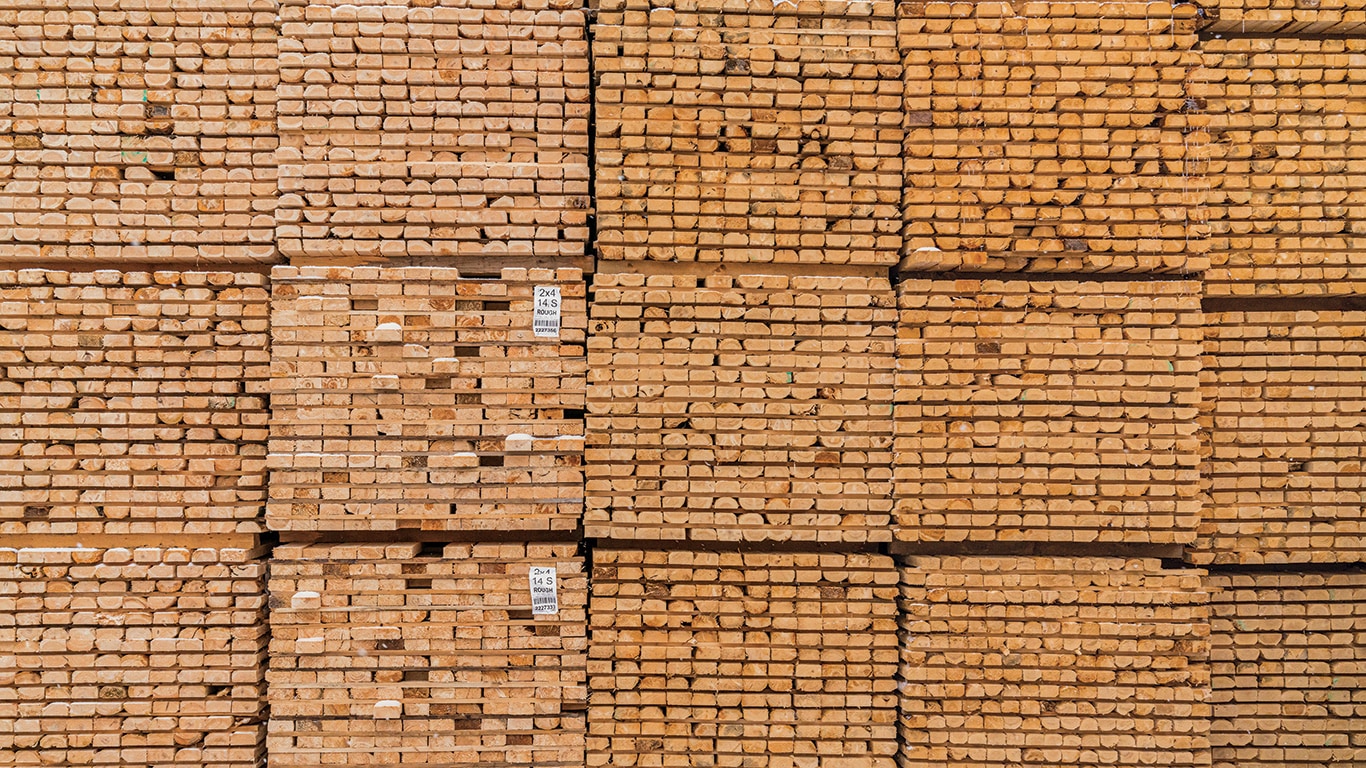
[132,658]
[412,398]
[132,403]
[1288,662]
[455,131]
[1047,411]
[748,132]
[1086,662]
[1285,421]
[1052,137]
[394,655]
[730,660]
[1287,180]
[755,407]
[137,131]
[1284,18]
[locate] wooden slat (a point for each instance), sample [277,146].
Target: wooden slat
[1047,411]
[1089,662]
[414,399]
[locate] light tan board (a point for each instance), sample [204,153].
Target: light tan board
[1285,423]
[1288,183]
[412,398]
[749,408]
[450,130]
[132,658]
[1087,662]
[756,660]
[1288,660]
[1286,18]
[138,131]
[389,655]
[1047,411]
[733,132]
[132,403]
[1052,137]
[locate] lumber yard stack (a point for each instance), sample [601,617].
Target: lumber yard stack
[1283,382]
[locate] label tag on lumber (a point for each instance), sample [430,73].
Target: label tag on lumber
[545,319]
[544,600]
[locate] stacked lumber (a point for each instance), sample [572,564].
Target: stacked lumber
[132,403]
[1286,204]
[767,131]
[1286,18]
[744,408]
[1287,660]
[1047,411]
[138,131]
[446,129]
[142,657]
[761,660]
[1052,137]
[1088,662]
[397,655]
[1285,418]
[414,399]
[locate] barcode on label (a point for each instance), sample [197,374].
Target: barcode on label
[543,596]
[545,319]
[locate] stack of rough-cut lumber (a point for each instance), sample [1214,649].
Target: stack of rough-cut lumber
[402,654]
[1283,18]
[1047,411]
[1288,661]
[453,129]
[748,132]
[754,407]
[1087,662]
[413,398]
[141,657]
[1052,137]
[1287,210]
[132,403]
[1285,417]
[760,660]
[137,131]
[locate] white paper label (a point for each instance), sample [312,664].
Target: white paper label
[545,320]
[544,599]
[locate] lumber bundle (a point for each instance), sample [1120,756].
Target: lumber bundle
[1286,18]
[450,130]
[1087,662]
[132,402]
[1287,660]
[132,658]
[1286,202]
[138,131]
[767,131]
[1047,411]
[1052,137]
[394,655]
[1285,418]
[760,660]
[744,408]
[414,399]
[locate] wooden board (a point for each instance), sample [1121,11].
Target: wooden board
[747,132]
[1047,411]
[1286,18]
[1288,660]
[1088,662]
[139,132]
[1288,189]
[414,399]
[1285,424]
[452,132]
[133,404]
[393,655]
[746,408]
[1052,137]
[756,660]
[132,658]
